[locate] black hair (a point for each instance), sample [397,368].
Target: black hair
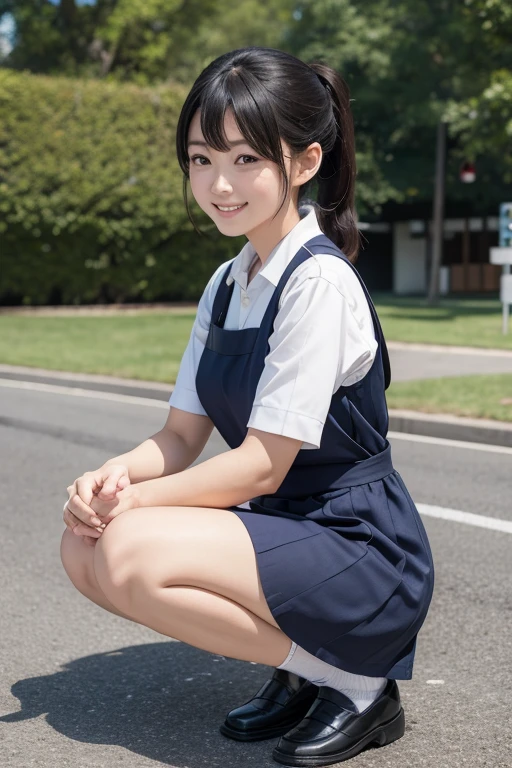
[274,95]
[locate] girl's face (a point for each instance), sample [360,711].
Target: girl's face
[239,179]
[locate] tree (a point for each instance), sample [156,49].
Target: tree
[411,63]
[147,41]
[483,124]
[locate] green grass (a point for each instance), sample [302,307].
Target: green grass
[488,397]
[144,346]
[456,322]
[149,345]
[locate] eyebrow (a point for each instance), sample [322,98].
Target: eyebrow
[231,143]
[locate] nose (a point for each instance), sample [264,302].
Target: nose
[221,185]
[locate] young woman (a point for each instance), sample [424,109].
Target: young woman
[326,572]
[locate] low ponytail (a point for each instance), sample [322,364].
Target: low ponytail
[337,174]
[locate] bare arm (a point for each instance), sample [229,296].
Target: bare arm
[257,467]
[171,450]
[174,448]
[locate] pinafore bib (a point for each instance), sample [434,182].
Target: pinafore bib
[342,553]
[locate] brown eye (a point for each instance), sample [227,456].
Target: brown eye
[198,157]
[248,157]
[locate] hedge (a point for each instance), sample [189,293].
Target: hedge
[91,204]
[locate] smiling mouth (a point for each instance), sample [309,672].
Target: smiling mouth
[228,208]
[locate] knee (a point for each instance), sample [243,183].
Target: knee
[69,552]
[116,557]
[76,557]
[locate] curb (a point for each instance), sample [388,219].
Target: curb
[412,422]
[448,349]
[451,427]
[153,390]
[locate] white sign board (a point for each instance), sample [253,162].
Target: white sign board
[501,255]
[506,289]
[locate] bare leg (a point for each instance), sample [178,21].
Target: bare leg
[77,559]
[191,574]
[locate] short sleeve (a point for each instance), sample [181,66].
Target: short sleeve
[317,344]
[184,395]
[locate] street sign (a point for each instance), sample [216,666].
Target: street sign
[506,289]
[501,255]
[506,225]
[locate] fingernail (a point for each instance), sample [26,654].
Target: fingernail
[96,521]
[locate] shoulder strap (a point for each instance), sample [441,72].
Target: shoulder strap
[322,244]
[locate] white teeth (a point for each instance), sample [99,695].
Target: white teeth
[235,208]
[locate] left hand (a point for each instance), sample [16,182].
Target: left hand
[122,501]
[104,483]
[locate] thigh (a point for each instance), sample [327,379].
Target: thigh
[184,546]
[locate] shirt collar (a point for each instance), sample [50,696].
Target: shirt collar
[279,258]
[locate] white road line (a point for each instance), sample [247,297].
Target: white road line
[428,510]
[58,389]
[492,523]
[450,443]
[77,392]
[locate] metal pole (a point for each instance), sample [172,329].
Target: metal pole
[437,214]
[506,305]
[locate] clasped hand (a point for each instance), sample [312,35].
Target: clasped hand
[96,498]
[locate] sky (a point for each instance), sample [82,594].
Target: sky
[6,34]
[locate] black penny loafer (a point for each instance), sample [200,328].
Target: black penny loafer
[333,731]
[278,706]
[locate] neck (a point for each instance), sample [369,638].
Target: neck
[268,234]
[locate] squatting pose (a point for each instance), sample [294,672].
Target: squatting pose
[300,547]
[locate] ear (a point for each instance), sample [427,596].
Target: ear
[307,164]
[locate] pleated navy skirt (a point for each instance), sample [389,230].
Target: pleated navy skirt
[347,575]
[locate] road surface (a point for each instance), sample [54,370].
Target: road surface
[81,687]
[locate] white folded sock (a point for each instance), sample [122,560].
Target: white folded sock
[360,689]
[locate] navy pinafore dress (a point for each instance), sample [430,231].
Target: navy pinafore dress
[342,553]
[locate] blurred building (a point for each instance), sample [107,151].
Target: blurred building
[396,254]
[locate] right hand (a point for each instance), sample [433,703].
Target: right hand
[104,483]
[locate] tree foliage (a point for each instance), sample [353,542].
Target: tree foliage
[89,184]
[145,41]
[411,63]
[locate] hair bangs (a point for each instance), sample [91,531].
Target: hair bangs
[275,97]
[243,94]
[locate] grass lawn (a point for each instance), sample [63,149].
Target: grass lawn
[488,397]
[150,346]
[455,322]
[144,346]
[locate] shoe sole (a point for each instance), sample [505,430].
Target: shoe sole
[260,735]
[384,734]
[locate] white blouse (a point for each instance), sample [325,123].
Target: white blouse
[323,336]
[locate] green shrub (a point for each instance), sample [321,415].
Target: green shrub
[91,206]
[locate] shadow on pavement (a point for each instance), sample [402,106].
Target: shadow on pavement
[162,700]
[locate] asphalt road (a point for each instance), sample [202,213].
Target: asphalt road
[424,361]
[81,687]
